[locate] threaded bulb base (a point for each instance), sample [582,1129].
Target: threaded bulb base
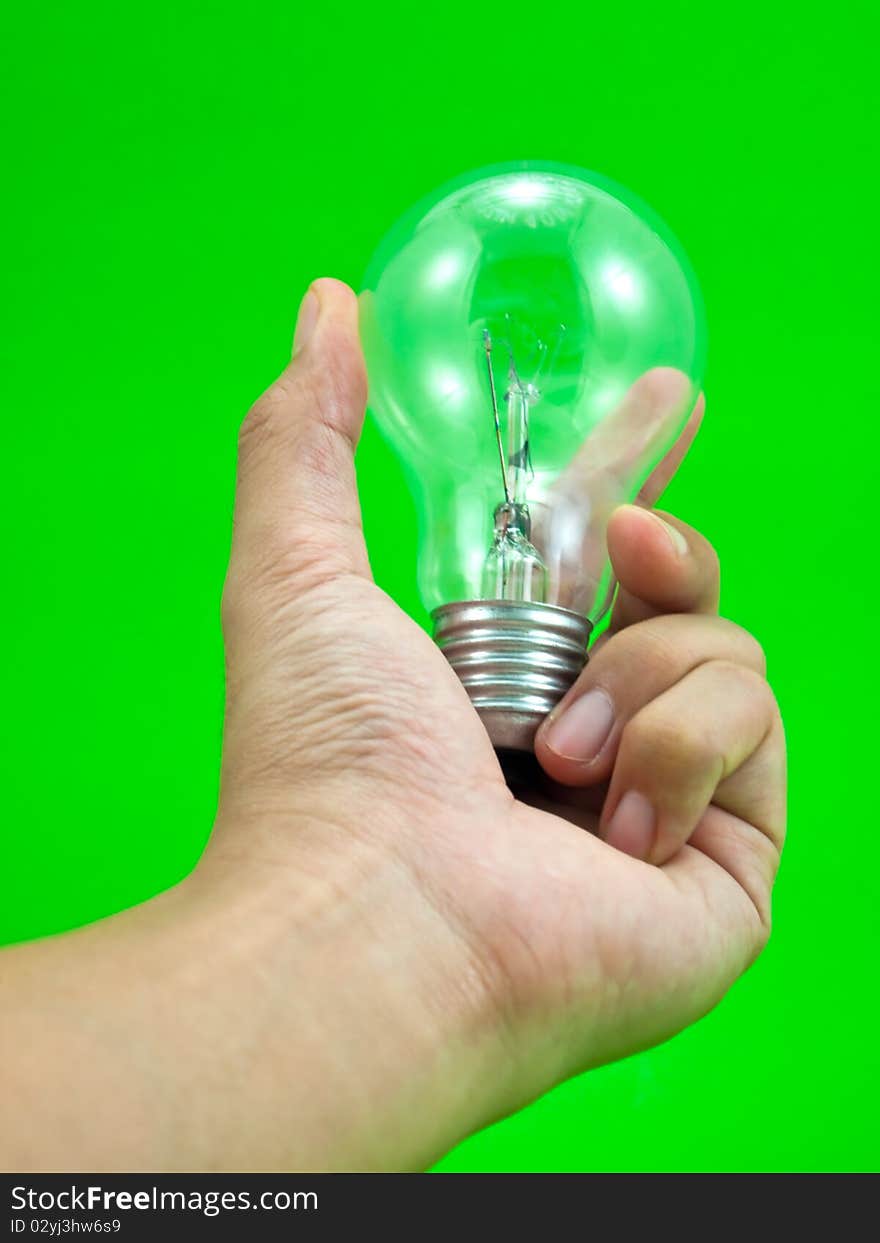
[515,660]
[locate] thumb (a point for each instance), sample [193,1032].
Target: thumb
[297,515]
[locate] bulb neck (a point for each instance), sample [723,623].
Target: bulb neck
[512,516]
[515,660]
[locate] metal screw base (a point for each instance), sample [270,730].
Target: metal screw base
[515,660]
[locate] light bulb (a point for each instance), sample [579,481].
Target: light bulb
[535,341]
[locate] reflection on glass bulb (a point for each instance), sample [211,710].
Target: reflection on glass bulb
[534,342]
[448,386]
[526,190]
[444,270]
[622,284]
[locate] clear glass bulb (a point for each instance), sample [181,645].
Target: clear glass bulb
[535,341]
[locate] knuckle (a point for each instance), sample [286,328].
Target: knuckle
[307,416]
[289,569]
[318,455]
[760,924]
[750,683]
[751,652]
[258,430]
[284,572]
[757,656]
[761,929]
[746,676]
[244,599]
[658,741]
[646,645]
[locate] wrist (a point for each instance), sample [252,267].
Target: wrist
[380,1029]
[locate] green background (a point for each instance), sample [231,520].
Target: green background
[175,175]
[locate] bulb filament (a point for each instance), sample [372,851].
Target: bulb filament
[514,569]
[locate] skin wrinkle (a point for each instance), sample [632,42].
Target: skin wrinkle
[526,965]
[320,452]
[683,759]
[370,709]
[363,724]
[310,560]
[741,941]
[656,644]
[434,1002]
[672,743]
[705,841]
[770,823]
[485,973]
[528,1009]
[622,999]
[270,613]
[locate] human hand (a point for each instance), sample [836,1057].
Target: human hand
[383,948]
[476,947]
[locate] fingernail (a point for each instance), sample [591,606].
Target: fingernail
[580,731]
[678,541]
[632,826]
[305,321]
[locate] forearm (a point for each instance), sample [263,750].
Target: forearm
[252,1017]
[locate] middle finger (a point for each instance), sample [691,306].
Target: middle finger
[576,745]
